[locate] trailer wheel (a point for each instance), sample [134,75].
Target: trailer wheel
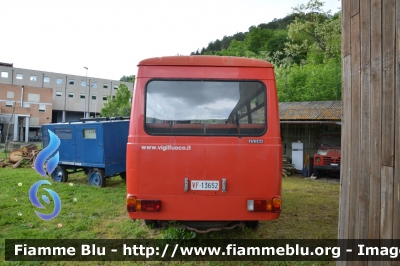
[60,174]
[96,177]
[123,176]
[251,224]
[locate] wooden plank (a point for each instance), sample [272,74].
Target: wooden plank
[355,7]
[376,116]
[345,172]
[388,50]
[386,229]
[346,28]
[355,125]
[396,185]
[365,147]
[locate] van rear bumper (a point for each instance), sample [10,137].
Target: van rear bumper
[204,208]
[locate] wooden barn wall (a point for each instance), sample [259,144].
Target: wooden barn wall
[370,183]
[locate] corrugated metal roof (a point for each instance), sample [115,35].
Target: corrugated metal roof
[309,111]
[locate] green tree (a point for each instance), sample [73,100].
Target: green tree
[236,48]
[130,78]
[257,39]
[315,34]
[309,82]
[120,105]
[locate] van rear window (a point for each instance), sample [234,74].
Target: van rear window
[198,107]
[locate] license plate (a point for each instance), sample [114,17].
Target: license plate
[334,164]
[204,185]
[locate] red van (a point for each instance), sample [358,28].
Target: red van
[204,146]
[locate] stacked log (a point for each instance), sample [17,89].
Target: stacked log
[288,168]
[29,148]
[15,156]
[27,153]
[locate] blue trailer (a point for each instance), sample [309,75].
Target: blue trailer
[96,147]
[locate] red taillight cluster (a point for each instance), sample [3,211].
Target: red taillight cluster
[274,205]
[134,204]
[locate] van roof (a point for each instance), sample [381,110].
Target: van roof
[205,60]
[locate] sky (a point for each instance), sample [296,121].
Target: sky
[111,37]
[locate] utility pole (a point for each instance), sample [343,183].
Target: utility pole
[84,111]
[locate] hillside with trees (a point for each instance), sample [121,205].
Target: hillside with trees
[304,47]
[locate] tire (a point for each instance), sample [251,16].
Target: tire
[251,224]
[317,173]
[96,177]
[152,223]
[123,176]
[86,170]
[60,174]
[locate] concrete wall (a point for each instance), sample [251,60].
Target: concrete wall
[36,102]
[62,87]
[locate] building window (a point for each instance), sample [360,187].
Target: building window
[83,96]
[70,95]
[4,74]
[42,108]
[19,76]
[113,97]
[83,83]
[33,97]
[71,82]
[105,86]
[26,105]
[10,94]
[58,93]
[104,98]
[46,79]
[9,104]
[59,80]
[115,87]
[94,97]
[33,78]
[94,85]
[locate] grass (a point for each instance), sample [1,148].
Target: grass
[310,211]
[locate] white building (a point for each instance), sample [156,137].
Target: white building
[35,97]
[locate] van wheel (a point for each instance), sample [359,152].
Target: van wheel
[60,174]
[251,224]
[152,223]
[123,176]
[96,177]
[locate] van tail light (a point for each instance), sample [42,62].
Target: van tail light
[131,203]
[274,205]
[149,205]
[134,204]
